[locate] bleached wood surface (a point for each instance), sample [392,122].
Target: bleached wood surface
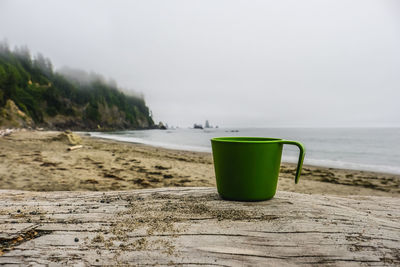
[193,226]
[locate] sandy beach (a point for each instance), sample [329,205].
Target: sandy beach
[40,161]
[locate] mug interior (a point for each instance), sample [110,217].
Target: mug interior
[245,139]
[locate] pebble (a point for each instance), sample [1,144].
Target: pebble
[76,239]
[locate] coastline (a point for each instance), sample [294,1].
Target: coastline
[39,161]
[325,147]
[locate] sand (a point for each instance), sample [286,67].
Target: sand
[40,161]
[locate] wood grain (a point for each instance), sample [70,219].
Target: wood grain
[193,226]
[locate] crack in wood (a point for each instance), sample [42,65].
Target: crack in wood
[301,232]
[317,257]
[7,244]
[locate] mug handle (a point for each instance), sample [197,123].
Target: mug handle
[301,157]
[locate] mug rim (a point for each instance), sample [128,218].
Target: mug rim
[245,139]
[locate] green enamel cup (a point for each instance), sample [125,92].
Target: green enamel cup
[247,168]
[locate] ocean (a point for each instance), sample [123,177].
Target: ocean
[371,149]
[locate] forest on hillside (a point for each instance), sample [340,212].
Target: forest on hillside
[33,94]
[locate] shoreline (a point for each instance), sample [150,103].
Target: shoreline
[38,161]
[345,165]
[282,162]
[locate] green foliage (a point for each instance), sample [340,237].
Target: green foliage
[1,98]
[92,112]
[41,93]
[28,104]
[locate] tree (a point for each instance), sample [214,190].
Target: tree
[43,64]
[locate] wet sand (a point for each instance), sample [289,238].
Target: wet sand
[39,161]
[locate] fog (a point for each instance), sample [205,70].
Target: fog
[236,63]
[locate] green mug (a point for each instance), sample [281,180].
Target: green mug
[247,168]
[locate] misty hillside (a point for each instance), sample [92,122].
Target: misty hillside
[33,95]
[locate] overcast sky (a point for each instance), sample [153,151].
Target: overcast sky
[235,63]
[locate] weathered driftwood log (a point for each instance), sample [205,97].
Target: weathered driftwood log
[193,226]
